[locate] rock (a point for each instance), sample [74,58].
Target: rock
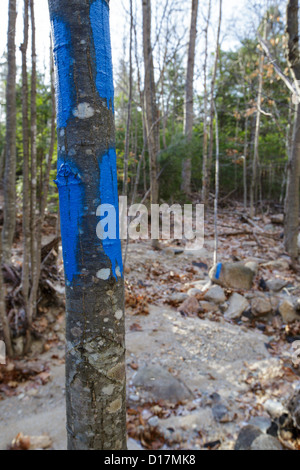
[276,285]
[159,384]
[232,276]
[153,422]
[133,445]
[253,266]
[288,312]
[261,306]
[194,292]
[178,297]
[262,423]
[222,414]
[237,306]
[294,409]
[246,438]
[202,420]
[206,307]
[274,408]
[279,264]
[277,219]
[190,306]
[216,295]
[266,442]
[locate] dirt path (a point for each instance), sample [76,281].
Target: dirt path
[218,363]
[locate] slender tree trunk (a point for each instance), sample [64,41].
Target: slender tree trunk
[217,178]
[10,154]
[291,229]
[26,188]
[255,181]
[189,98]
[35,261]
[205,117]
[207,174]
[87,177]
[127,138]
[3,316]
[152,122]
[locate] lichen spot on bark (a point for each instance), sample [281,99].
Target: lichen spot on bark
[103,274]
[84,111]
[108,390]
[117,372]
[118,314]
[115,406]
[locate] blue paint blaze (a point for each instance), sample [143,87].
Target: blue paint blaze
[218,272]
[64,63]
[109,195]
[99,16]
[71,194]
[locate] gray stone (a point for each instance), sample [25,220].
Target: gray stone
[276,285]
[216,295]
[294,409]
[133,445]
[232,276]
[222,414]
[266,442]
[274,408]
[261,306]
[153,422]
[288,312]
[159,384]
[279,264]
[262,423]
[237,306]
[246,437]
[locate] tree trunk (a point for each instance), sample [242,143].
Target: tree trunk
[3,316]
[189,98]
[205,117]
[255,175]
[291,229]
[10,155]
[127,137]
[207,175]
[87,177]
[26,190]
[152,122]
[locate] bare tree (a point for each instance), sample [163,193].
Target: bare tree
[151,111]
[207,170]
[127,137]
[205,117]
[255,162]
[291,229]
[11,123]
[189,98]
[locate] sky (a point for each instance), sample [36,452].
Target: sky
[119,24]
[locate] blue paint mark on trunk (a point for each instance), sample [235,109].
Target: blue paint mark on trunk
[71,201]
[99,16]
[64,63]
[109,195]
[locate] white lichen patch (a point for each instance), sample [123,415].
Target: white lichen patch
[103,274]
[108,390]
[115,406]
[62,132]
[118,272]
[84,111]
[118,314]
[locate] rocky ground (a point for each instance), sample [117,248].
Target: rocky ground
[209,365]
